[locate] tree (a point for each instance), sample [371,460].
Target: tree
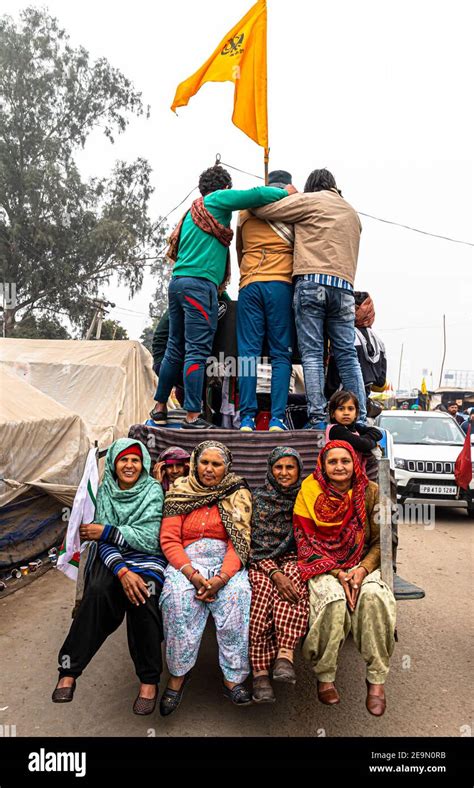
[162,270]
[61,238]
[146,337]
[112,329]
[42,327]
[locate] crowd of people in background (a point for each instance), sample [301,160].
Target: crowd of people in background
[462,417]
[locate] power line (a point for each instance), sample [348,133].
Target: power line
[176,207]
[252,174]
[415,229]
[370,216]
[132,311]
[431,325]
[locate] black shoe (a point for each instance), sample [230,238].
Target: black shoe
[262,690]
[171,699]
[144,706]
[63,694]
[239,695]
[159,417]
[198,424]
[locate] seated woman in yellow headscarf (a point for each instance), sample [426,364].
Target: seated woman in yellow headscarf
[338,542]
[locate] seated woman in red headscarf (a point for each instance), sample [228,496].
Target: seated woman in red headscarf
[338,542]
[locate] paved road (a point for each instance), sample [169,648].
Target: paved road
[429,690]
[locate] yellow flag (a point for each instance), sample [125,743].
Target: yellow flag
[423,389]
[241,57]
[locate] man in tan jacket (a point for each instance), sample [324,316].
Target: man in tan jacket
[327,234]
[265,254]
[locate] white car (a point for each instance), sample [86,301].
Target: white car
[426,446]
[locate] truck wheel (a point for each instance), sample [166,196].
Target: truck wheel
[470,512]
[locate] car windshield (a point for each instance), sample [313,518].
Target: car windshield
[423,430]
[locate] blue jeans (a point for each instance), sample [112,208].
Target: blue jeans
[264,308]
[193,323]
[316,306]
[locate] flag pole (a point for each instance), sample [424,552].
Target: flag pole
[266,157]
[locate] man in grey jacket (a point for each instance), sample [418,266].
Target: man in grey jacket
[327,234]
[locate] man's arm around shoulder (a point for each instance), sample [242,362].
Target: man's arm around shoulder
[291,209]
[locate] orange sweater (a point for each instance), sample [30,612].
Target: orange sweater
[179,531]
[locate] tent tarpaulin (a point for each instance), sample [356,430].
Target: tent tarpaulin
[42,444]
[109,384]
[29,526]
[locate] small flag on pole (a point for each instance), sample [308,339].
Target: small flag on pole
[83,511]
[241,58]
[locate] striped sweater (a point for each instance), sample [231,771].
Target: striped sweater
[117,554]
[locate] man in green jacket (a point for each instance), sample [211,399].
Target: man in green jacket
[201,267]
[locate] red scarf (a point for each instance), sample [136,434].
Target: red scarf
[331,535]
[206,222]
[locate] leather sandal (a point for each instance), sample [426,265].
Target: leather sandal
[329,696]
[262,690]
[63,694]
[375,704]
[143,706]
[239,695]
[283,670]
[171,699]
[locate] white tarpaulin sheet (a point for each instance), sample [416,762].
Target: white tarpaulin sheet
[109,384]
[42,444]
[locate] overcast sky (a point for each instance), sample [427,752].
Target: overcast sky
[379,93]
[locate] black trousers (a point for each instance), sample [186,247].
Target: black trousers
[100,613]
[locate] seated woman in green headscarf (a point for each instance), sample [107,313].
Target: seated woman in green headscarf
[125,577]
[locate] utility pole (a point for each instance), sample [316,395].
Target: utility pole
[400,369]
[100,312]
[444,351]
[4,333]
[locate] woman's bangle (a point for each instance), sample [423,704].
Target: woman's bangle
[274,571]
[221,578]
[121,572]
[194,572]
[188,564]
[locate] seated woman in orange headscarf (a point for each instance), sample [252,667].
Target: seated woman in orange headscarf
[338,542]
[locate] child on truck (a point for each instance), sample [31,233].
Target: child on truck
[343,414]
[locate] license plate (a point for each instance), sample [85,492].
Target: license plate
[437,489]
